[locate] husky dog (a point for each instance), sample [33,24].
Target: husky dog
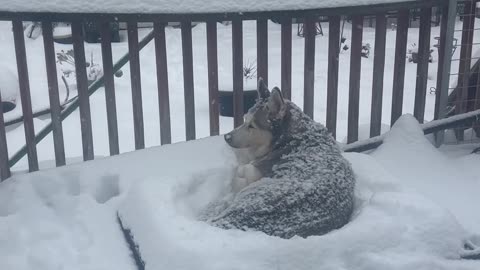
[293,180]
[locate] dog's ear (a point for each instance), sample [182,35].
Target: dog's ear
[276,104]
[263,92]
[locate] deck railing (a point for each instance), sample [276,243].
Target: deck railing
[400,10]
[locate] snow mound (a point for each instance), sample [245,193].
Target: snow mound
[453,184]
[393,227]
[66,218]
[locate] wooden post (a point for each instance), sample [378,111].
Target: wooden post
[262,49]
[286,58]
[55,109]
[332,79]
[4,167]
[135,80]
[378,73]
[399,66]
[237,53]
[82,86]
[188,79]
[110,101]
[465,61]
[25,94]
[309,67]
[162,82]
[465,56]
[213,77]
[422,65]
[354,83]
[446,46]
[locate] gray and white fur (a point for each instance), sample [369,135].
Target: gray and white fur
[302,185]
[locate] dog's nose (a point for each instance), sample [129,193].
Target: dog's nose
[228,138]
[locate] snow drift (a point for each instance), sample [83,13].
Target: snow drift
[393,227]
[66,218]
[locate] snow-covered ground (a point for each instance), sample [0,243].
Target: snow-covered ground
[149,87]
[415,205]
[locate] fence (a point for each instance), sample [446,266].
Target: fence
[400,10]
[465,90]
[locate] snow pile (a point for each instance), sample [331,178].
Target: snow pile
[66,218]
[393,227]
[390,230]
[185,6]
[453,184]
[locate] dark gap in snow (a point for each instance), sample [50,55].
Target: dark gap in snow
[127,233]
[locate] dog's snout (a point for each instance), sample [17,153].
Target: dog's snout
[228,138]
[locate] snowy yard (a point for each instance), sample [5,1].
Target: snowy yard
[414,204]
[71,125]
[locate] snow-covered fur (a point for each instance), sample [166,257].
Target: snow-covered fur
[306,188]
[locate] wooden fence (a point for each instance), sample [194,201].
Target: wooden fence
[401,10]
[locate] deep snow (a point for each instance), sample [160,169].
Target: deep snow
[66,217]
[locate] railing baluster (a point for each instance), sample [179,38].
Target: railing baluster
[422,65]
[378,73]
[447,30]
[286,58]
[476,128]
[106,40]
[441,60]
[354,82]
[309,65]
[465,61]
[25,94]
[188,80]
[82,86]
[4,167]
[465,57]
[55,109]
[213,77]
[262,49]
[135,80]
[332,78]
[237,53]
[477,99]
[162,82]
[399,65]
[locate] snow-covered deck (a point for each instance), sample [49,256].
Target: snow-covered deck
[414,206]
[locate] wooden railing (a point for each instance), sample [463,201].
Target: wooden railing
[400,10]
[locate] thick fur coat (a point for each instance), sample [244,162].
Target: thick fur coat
[306,188]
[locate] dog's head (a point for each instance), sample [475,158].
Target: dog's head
[257,131]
